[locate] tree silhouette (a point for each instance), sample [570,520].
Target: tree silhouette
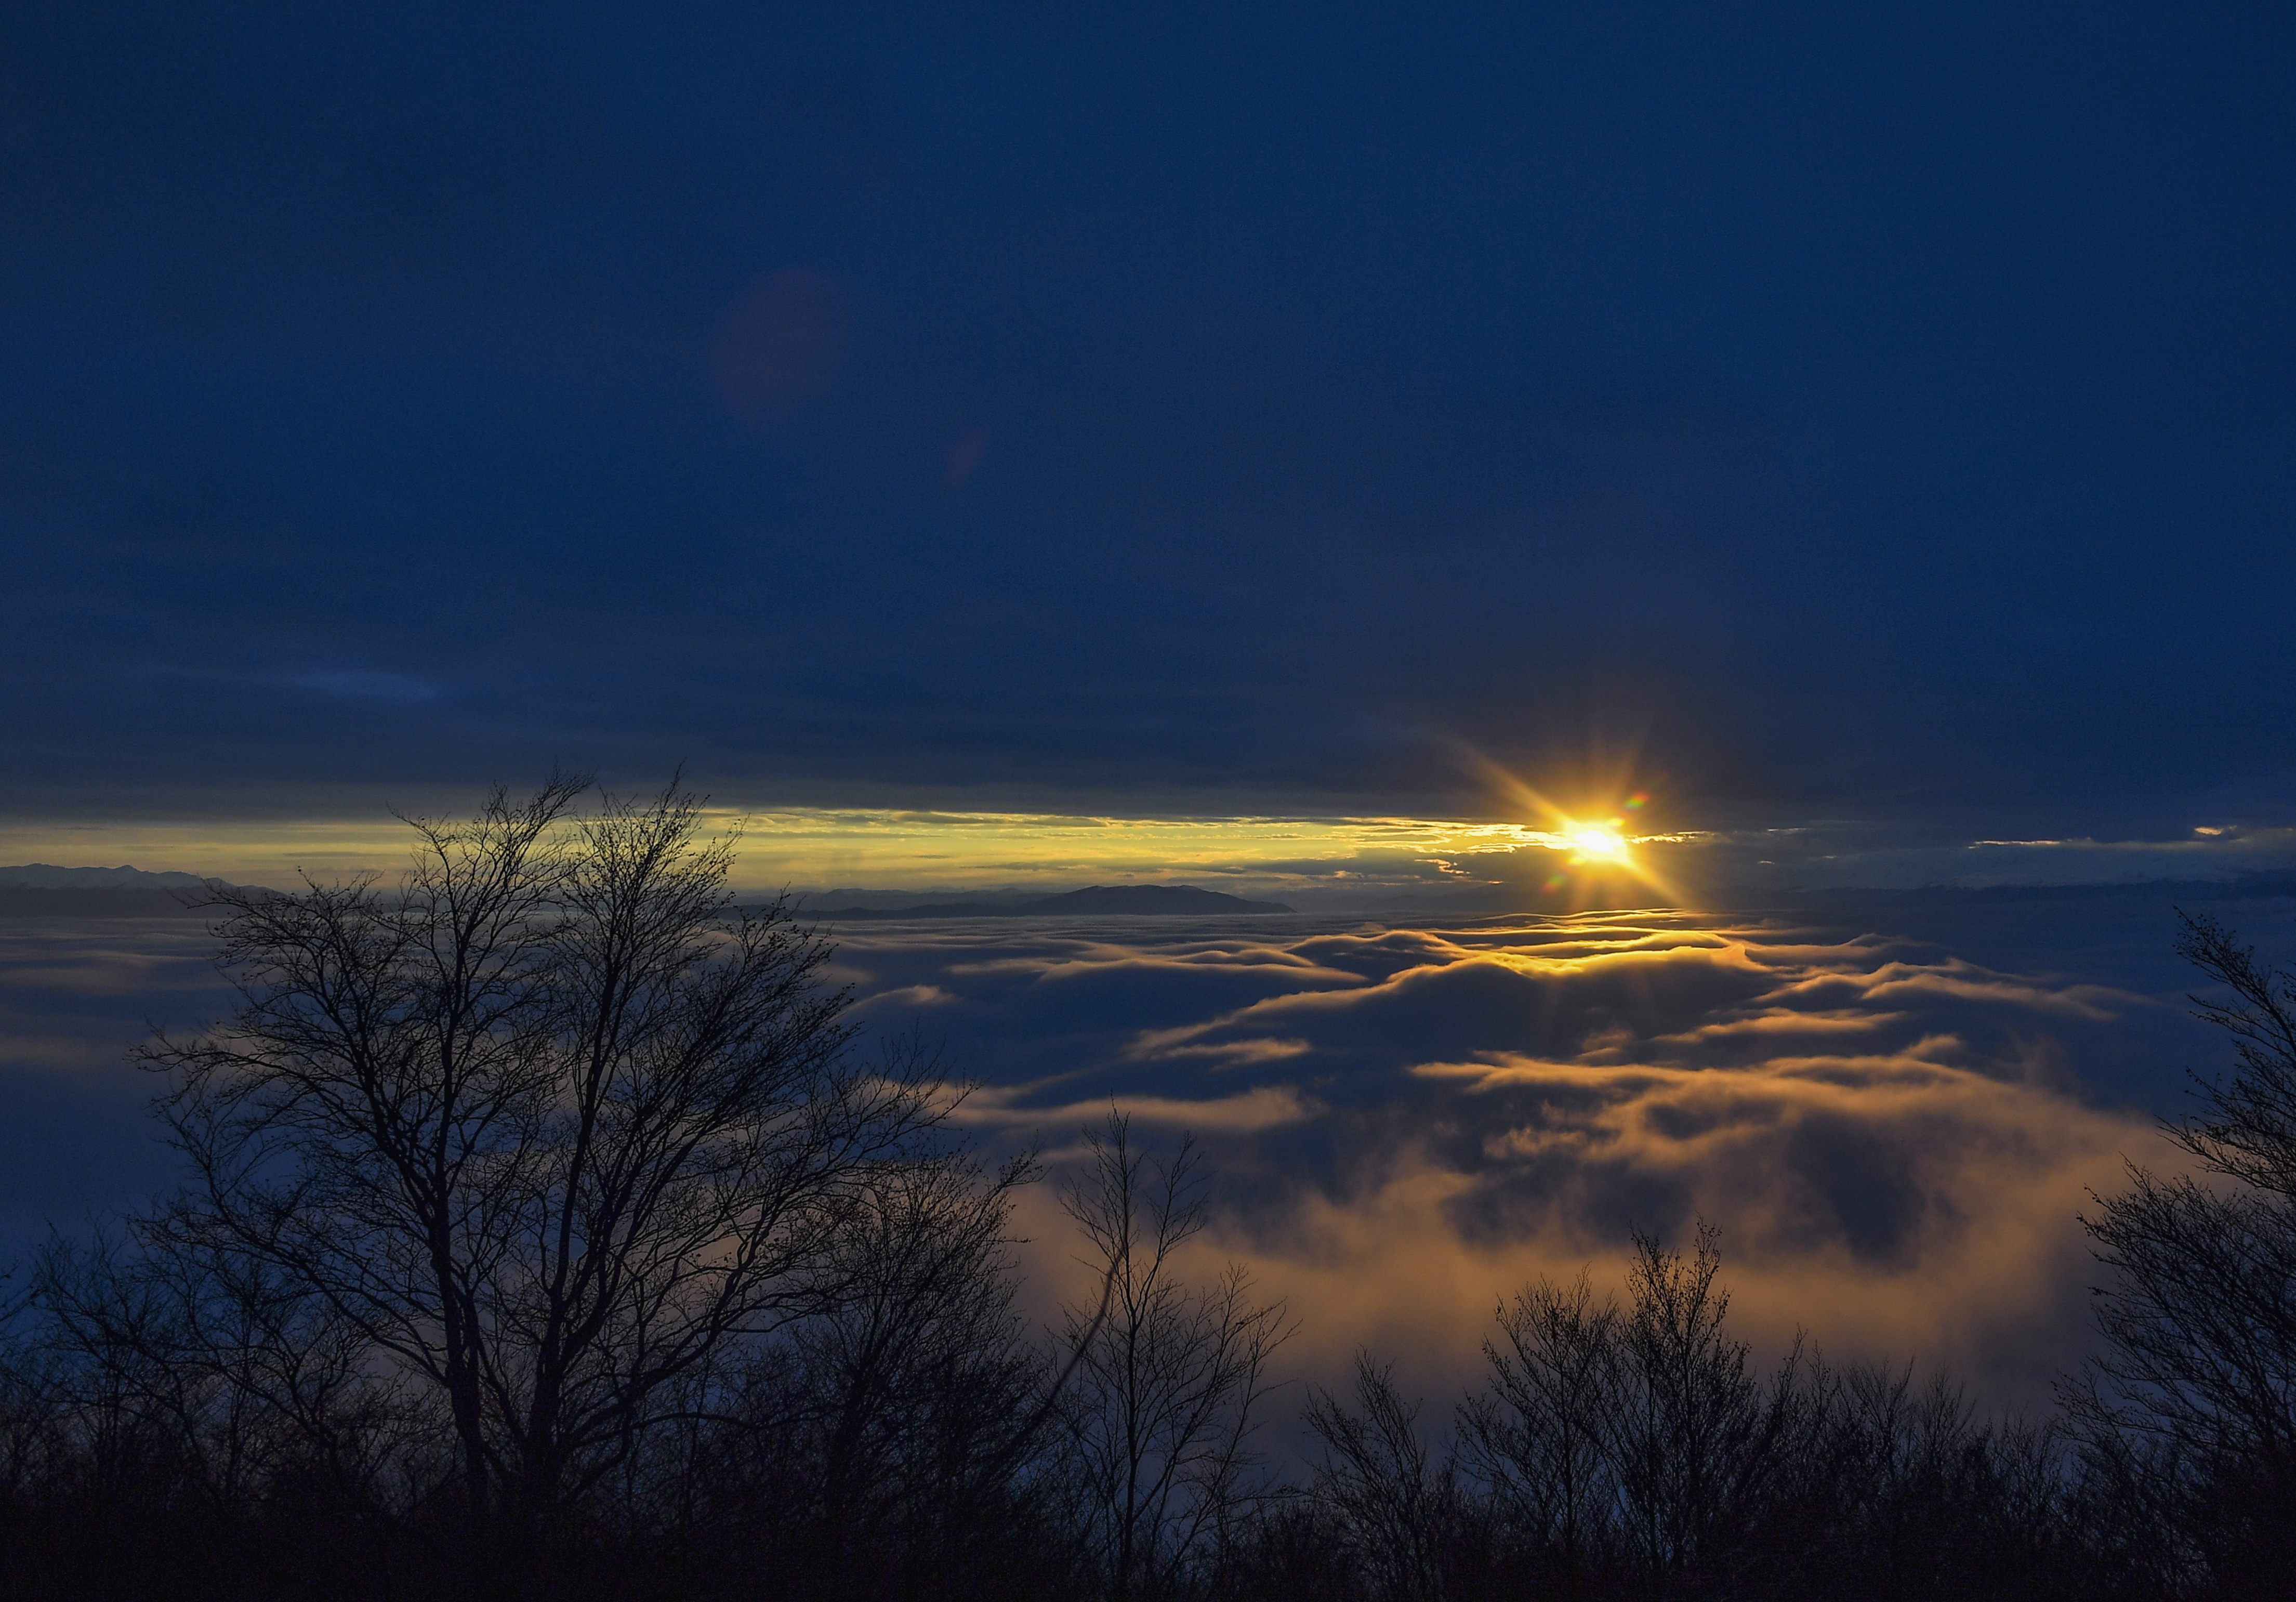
[1170,1377]
[2193,1402]
[547,1127]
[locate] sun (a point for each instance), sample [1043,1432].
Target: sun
[1597,843]
[1601,843]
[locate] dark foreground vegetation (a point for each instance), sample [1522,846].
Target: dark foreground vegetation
[548,1236]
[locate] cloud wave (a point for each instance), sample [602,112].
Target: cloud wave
[1406,1122]
[1409,1122]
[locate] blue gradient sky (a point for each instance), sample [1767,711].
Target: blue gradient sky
[1812,415]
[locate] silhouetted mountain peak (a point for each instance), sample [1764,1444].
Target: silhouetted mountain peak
[46,875]
[1161,899]
[1094,901]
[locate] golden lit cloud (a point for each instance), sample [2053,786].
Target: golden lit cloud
[1415,1119]
[1600,848]
[822,847]
[1406,1121]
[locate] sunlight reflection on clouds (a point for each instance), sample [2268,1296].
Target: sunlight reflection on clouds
[1406,1120]
[1409,1122]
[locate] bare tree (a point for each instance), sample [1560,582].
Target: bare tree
[883,1446]
[1634,1440]
[1538,1435]
[1694,1434]
[2193,1402]
[548,1126]
[922,1393]
[1398,1511]
[249,1379]
[1169,1375]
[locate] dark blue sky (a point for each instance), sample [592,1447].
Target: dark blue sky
[1201,410]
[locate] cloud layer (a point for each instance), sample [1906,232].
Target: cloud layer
[1409,1122]
[75,995]
[1406,1122]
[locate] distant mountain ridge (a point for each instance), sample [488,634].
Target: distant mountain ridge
[2238,887]
[46,875]
[42,890]
[1094,901]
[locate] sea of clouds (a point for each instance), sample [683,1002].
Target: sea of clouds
[1893,1109]
[1406,1123]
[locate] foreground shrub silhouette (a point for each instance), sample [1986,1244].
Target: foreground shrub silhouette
[1637,1437]
[1631,1450]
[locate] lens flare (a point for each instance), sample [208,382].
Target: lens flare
[1600,854]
